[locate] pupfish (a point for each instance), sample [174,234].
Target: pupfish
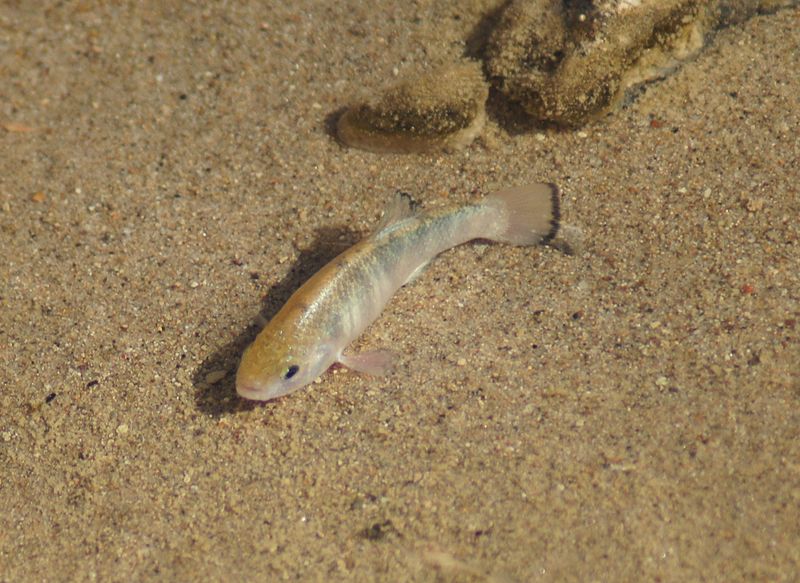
[312,330]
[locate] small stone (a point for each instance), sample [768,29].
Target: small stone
[122,429]
[216,376]
[754,205]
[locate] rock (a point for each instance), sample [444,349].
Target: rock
[443,109]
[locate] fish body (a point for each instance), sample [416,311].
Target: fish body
[333,308]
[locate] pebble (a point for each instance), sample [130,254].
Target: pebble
[214,377]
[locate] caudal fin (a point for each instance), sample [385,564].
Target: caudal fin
[530,213]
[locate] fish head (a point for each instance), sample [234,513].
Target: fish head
[273,366]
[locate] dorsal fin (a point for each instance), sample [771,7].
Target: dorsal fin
[400,207]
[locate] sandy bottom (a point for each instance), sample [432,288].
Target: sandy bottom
[628,412]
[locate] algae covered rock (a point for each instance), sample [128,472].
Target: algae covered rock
[442,109]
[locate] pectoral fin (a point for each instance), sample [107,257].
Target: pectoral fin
[374,362]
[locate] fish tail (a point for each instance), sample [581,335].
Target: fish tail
[530,214]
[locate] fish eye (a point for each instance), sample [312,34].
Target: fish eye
[291,372]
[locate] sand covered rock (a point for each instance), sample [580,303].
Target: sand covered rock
[566,62]
[442,109]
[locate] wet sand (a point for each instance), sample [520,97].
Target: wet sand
[630,412]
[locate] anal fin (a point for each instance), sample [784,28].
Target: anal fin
[416,273]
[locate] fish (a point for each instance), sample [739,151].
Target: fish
[312,330]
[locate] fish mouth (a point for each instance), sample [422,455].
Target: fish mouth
[252,392]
